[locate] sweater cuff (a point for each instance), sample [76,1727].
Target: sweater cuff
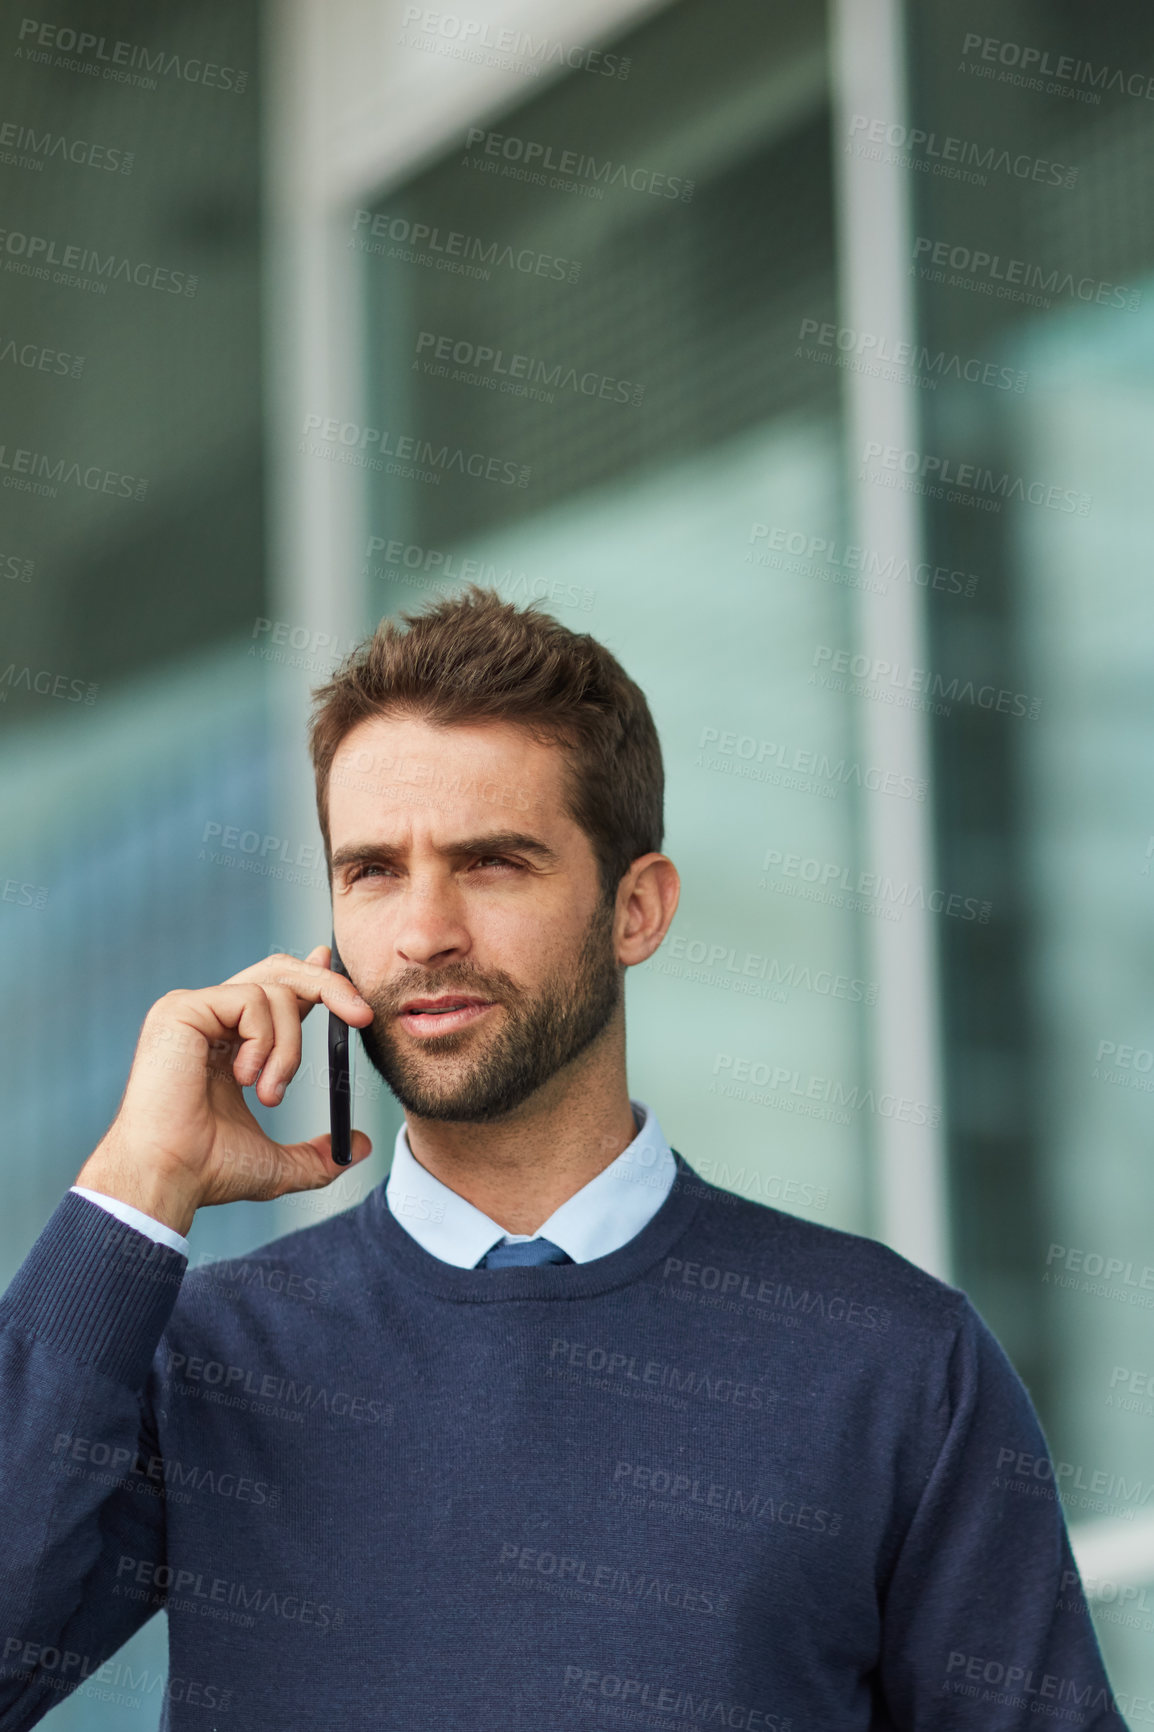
[96,1290]
[136,1218]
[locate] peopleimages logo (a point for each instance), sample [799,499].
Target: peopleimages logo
[483,43]
[39,358]
[628,1584]
[410,562]
[36,472]
[24,147]
[53,44]
[40,255]
[832,881]
[824,1090]
[62,1669]
[24,895]
[631,1692]
[874,676]
[46,684]
[191,1590]
[1031,65]
[748,1505]
[17,568]
[348,441]
[1016,279]
[721,965]
[944,154]
[925,365]
[297,645]
[857,566]
[516,375]
[936,473]
[808,770]
[1011,1685]
[419,243]
[541,159]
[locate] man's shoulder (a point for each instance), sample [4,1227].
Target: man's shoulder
[749,1249]
[311,1262]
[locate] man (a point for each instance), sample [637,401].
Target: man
[546,1431]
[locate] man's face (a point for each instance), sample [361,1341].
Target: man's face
[457,875]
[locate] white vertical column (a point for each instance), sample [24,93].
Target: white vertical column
[312,324]
[875,240]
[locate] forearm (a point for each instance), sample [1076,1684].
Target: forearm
[79,1327]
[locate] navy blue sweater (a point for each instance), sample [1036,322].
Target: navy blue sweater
[746,1471]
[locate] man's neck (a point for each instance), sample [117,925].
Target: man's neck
[522,1169]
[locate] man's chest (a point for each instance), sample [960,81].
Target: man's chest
[560,1506]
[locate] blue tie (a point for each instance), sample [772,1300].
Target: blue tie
[526,1254]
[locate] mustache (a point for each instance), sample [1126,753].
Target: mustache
[387,1000]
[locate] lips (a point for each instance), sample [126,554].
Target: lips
[425,1018]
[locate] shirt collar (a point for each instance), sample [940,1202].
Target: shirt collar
[599,1218]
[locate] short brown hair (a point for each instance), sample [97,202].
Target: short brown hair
[473,657]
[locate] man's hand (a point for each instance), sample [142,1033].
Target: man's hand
[184,1136]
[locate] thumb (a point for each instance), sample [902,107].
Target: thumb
[360,1148]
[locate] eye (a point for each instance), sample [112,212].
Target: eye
[372,870]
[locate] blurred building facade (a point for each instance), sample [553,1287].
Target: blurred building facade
[803,355]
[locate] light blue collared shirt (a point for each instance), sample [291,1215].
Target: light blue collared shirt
[601,1217]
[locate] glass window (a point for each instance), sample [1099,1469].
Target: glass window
[1035,271]
[583,329]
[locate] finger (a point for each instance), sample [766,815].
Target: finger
[225,1017]
[321,955]
[360,1146]
[256,1032]
[313,1161]
[254,1163]
[248,1027]
[283,1060]
[312,985]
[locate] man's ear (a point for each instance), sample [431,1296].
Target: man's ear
[647,899]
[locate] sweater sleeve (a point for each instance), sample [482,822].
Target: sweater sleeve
[79,1326]
[985,1628]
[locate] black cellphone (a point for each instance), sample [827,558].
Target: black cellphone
[342,1055]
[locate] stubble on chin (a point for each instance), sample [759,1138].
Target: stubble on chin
[479,1074]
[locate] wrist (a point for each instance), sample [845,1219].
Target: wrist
[161,1195]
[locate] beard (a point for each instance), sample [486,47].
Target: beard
[540,1033]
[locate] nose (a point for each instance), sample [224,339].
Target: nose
[431,929]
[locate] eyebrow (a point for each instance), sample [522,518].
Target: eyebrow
[499,842]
